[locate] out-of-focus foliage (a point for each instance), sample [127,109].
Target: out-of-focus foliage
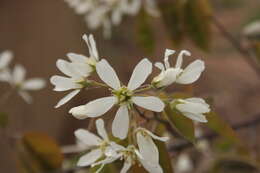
[188,18]
[4,120]
[145,33]
[38,153]
[233,164]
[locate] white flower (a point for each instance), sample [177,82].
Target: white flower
[5,59]
[131,156]
[252,29]
[23,85]
[77,71]
[184,163]
[176,74]
[146,145]
[124,96]
[100,146]
[193,108]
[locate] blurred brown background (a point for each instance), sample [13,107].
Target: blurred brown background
[41,31]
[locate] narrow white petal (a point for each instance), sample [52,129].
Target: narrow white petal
[163,139]
[63,83]
[168,52]
[5,59]
[127,165]
[196,117]
[26,96]
[5,76]
[147,148]
[107,160]
[120,124]
[191,73]
[101,129]
[196,100]
[77,58]
[82,69]
[93,47]
[85,37]
[67,98]
[107,74]
[150,102]
[142,70]
[19,74]
[159,65]
[94,108]
[90,158]
[34,84]
[87,138]
[180,58]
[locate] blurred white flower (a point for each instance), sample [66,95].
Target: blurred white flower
[193,108]
[77,71]
[146,145]
[5,59]
[23,85]
[100,146]
[177,74]
[122,95]
[252,29]
[184,163]
[105,13]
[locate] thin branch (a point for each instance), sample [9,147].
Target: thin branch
[246,54]
[247,124]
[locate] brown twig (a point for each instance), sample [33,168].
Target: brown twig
[246,54]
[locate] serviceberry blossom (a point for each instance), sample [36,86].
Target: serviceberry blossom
[17,81]
[124,96]
[100,147]
[106,13]
[5,59]
[77,71]
[193,108]
[177,74]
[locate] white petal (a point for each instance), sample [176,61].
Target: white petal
[93,47]
[5,76]
[5,59]
[120,124]
[87,138]
[94,108]
[196,108]
[142,70]
[63,83]
[127,165]
[151,167]
[66,68]
[19,74]
[168,52]
[90,158]
[196,100]
[163,139]
[150,102]
[34,84]
[147,148]
[107,160]
[101,129]
[67,98]
[107,74]
[26,96]
[191,73]
[82,70]
[77,58]
[196,117]
[116,16]
[180,58]
[159,65]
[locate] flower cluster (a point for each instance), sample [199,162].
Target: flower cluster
[105,13]
[141,148]
[16,77]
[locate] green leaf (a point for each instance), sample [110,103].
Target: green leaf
[183,125]
[173,20]
[4,120]
[145,35]
[198,22]
[39,153]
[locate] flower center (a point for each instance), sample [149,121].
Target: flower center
[129,154]
[123,95]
